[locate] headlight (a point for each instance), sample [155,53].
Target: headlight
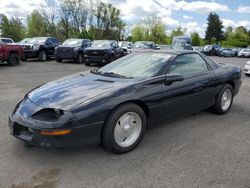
[59,112]
[106,55]
[48,114]
[36,47]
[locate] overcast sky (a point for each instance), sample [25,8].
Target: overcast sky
[189,14]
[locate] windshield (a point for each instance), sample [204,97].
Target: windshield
[38,40]
[101,43]
[137,65]
[245,50]
[125,44]
[208,47]
[73,42]
[25,40]
[144,45]
[7,41]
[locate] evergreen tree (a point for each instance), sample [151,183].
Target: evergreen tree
[214,27]
[196,41]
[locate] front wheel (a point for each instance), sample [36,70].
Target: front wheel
[79,58]
[124,129]
[224,100]
[13,59]
[58,60]
[42,56]
[112,58]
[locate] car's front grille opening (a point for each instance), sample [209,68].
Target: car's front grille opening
[20,129]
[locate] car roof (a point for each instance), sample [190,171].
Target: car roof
[5,38]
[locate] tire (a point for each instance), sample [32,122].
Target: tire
[13,59]
[115,125]
[221,107]
[24,59]
[112,58]
[79,58]
[42,56]
[58,60]
[248,75]
[87,64]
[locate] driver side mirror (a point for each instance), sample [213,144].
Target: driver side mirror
[170,78]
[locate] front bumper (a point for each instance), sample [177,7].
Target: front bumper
[30,53]
[96,60]
[247,69]
[243,55]
[28,129]
[207,52]
[66,56]
[80,136]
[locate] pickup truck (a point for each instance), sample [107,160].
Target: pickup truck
[12,53]
[102,52]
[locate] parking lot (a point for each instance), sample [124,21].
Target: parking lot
[201,150]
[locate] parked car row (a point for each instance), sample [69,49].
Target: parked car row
[80,50]
[216,50]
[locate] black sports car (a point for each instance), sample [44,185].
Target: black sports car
[72,49]
[116,103]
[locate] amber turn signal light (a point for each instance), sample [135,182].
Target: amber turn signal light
[56,133]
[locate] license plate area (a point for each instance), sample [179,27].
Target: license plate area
[17,129]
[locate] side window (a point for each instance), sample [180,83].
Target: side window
[7,41]
[55,41]
[49,41]
[86,43]
[188,64]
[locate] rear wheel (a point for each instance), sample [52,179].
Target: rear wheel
[224,100]
[42,56]
[58,60]
[124,129]
[14,59]
[24,58]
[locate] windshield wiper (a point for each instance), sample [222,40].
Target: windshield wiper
[110,74]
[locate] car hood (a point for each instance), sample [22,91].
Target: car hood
[66,46]
[73,90]
[97,48]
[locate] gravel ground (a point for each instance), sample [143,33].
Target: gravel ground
[201,150]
